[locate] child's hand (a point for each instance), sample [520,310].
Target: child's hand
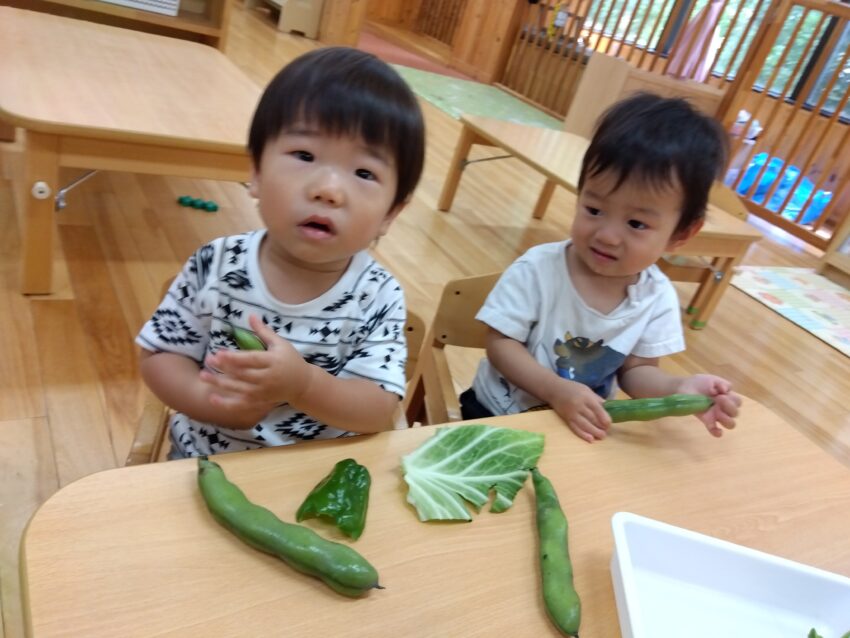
[726,402]
[254,380]
[581,409]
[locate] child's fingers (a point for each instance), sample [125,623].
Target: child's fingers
[227,385]
[600,415]
[262,330]
[714,429]
[727,406]
[587,425]
[234,361]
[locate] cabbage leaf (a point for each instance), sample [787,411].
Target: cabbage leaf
[466,463]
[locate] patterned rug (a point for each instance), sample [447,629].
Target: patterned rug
[810,300]
[456,96]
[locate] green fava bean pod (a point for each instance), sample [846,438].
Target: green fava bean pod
[342,496]
[559,594]
[658,408]
[246,340]
[339,566]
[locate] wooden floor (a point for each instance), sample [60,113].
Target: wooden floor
[70,392]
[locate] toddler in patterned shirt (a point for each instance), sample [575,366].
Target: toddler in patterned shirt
[337,148]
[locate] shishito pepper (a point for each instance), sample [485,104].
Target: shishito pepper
[342,496]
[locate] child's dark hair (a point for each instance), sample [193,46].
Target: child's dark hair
[660,141]
[344,91]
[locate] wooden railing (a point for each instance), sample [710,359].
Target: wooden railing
[794,87]
[439,19]
[699,40]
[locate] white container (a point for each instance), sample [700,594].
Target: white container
[670,582]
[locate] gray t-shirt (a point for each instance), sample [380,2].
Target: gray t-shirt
[535,303]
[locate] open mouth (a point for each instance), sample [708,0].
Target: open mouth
[317,227]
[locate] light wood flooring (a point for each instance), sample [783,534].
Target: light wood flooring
[70,392]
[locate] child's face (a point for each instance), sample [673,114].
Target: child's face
[323,198]
[618,233]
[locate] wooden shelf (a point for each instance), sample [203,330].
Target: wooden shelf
[209,27]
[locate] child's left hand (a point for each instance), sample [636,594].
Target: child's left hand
[245,378]
[726,402]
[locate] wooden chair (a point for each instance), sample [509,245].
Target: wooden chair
[149,443]
[431,395]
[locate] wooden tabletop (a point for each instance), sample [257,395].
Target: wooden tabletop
[133,551]
[74,77]
[555,153]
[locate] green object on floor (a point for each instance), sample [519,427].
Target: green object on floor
[456,96]
[197,202]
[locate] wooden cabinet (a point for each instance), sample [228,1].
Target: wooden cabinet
[198,20]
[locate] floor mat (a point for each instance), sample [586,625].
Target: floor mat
[810,300]
[455,96]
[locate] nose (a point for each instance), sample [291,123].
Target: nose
[327,187]
[608,234]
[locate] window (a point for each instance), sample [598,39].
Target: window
[837,56]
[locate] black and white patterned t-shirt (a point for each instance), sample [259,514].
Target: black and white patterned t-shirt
[354,330]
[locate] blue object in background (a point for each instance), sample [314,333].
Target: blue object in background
[801,193]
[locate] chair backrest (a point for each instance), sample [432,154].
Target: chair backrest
[431,397]
[148,444]
[607,79]
[414,333]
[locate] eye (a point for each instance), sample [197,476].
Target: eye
[592,211]
[637,224]
[365,173]
[304,156]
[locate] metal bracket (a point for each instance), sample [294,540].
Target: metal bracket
[466,162]
[59,203]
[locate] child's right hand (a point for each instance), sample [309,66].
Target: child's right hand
[581,409]
[246,382]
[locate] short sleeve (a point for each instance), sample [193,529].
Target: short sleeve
[663,334]
[181,323]
[381,353]
[513,305]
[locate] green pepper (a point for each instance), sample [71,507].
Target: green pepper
[342,496]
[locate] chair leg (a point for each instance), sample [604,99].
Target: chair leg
[414,401]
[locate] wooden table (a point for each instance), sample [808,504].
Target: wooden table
[724,238]
[92,96]
[134,552]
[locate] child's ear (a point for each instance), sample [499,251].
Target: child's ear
[389,218]
[680,237]
[254,184]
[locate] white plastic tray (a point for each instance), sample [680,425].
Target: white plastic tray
[673,583]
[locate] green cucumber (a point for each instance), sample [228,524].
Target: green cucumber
[657,408]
